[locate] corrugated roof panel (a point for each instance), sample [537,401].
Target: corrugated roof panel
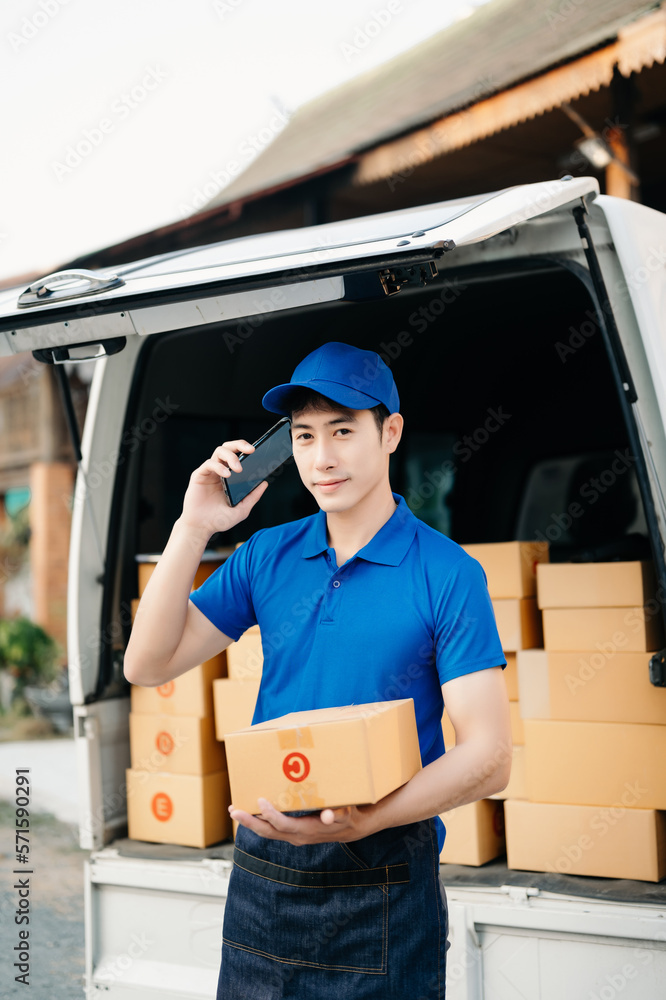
[514,39]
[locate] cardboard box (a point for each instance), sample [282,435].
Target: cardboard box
[533,683]
[207,566]
[633,630]
[511,676]
[517,785]
[510,567]
[234,703]
[518,623]
[517,730]
[183,809]
[351,755]
[474,833]
[182,744]
[189,694]
[595,585]
[604,687]
[596,763]
[245,657]
[586,840]
[448,731]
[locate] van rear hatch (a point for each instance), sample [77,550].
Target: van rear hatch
[215,283]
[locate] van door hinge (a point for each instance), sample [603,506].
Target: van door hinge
[363,286]
[393,278]
[658,669]
[519,893]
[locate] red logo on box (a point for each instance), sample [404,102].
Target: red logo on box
[164,743]
[166,690]
[162,807]
[296,766]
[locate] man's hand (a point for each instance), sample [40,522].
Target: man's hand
[206,509]
[345,824]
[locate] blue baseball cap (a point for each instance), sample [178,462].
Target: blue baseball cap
[349,376]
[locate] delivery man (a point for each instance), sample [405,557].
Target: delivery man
[373,605]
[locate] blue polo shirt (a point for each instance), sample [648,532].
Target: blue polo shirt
[404,615]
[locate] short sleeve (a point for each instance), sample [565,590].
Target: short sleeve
[225,598]
[466,636]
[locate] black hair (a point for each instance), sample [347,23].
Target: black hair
[308,399]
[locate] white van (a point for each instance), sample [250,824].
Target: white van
[525,330]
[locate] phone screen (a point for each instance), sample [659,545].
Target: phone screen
[272,450]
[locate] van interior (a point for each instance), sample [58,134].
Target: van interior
[511,432]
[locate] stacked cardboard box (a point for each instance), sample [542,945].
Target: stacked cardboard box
[595,728]
[178,785]
[475,832]
[235,696]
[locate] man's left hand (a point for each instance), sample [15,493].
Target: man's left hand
[345,824]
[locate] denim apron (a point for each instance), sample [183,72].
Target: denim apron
[365,919]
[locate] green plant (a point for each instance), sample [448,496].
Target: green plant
[28,653]
[14,541]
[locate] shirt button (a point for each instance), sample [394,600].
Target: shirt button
[336,583]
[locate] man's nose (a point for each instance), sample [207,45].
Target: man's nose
[325,455]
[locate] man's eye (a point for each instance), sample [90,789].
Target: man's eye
[344,430]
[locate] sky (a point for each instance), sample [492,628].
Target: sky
[119,116]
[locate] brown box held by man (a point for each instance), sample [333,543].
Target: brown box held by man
[351,755]
[189,694]
[595,585]
[187,809]
[634,630]
[510,567]
[182,744]
[596,763]
[245,657]
[518,623]
[474,833]
[586,840]
[234,703]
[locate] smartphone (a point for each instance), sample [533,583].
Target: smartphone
[272,450]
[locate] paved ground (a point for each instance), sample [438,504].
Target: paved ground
[56,941]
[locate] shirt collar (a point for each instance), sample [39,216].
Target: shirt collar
[388,547]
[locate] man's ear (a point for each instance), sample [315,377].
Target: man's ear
[392,432]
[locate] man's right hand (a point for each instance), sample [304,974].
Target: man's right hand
[206,509]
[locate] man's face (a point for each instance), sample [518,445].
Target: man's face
[340,456]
